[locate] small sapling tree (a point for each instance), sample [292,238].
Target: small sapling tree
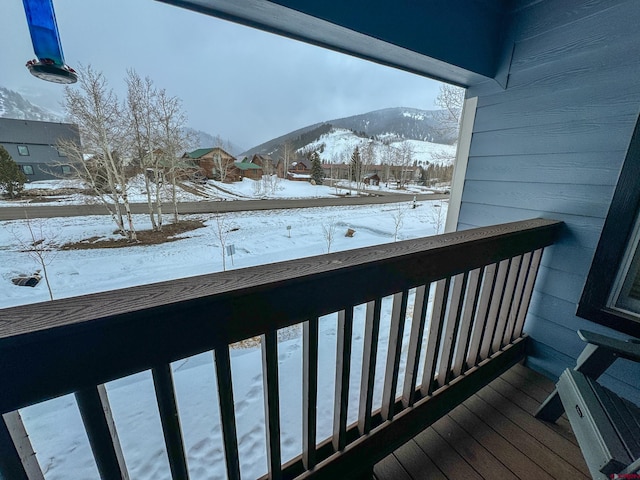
[437,216]
[221,231]
[39,246]
[397,214]
[329,232]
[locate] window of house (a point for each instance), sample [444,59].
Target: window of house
[611,295]
[66,170]
[27,169]
[625,296]
[23,150]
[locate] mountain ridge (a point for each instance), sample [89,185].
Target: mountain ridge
[385,126]
[14,105]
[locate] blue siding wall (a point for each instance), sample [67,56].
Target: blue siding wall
[552,144]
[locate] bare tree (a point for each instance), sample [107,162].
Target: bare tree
[388,158]
[368,158]
[286,156]
[143,134]
[437,216]
[221,164]
[450,99]
[269,178]
[329,232]
[405,158]
[258,188]
[173,139]
[95,109]
[222,229]
[397,214]
[39,246]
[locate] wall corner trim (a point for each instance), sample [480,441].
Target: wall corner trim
[462,158]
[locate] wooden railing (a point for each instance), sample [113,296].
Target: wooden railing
[482,278]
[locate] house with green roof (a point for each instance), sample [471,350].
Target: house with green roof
[214,163]
[247,169]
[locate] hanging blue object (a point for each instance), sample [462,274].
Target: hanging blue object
[50,64]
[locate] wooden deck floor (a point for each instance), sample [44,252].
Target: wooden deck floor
[493,435]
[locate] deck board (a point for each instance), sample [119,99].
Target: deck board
[492,435]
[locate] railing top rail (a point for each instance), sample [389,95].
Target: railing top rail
[63,345]
[515,237]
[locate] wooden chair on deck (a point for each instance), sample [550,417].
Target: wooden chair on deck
[606,426]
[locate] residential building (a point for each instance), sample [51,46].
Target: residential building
[33,146]
[214,163]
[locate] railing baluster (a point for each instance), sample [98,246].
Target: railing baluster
[451,330]
[488,283]
[517,298]
[435,332]
[168,408]
[227,411]
[369,354]
[420,305]
[528,291]
[95,411]
[343,369]
[494,308]
[468,317]
[309,391]
[505,306]
[398,317]
[17,459]
[272,402]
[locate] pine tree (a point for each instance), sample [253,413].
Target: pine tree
[356,165]
[12,179]
[317,173]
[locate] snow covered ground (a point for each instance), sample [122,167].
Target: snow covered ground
[55,427]
[246,189]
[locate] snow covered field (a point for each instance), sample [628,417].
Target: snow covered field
[246,189]
[261,237]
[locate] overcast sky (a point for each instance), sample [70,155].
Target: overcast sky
[244,84]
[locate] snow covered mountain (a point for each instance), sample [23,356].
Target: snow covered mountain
[14,105]
[336,139]
[337,145]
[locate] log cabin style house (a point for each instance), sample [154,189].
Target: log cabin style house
[214,163]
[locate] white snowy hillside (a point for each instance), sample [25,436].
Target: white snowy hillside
[338,144]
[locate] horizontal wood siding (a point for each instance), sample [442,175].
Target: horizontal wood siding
[552,144]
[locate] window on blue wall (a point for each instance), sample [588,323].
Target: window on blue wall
[611,295]
[27,169]
[23,150]
[66,170]
[625,296]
